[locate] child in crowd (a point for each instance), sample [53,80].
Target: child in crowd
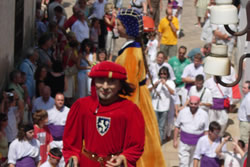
[152,46]
[95,31]
[101,55]
[42,133]
[109,19]
[54,158]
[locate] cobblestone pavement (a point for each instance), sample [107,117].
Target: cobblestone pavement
[191,39]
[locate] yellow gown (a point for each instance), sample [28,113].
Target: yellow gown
[131,58]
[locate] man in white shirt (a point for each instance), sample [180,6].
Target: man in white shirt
[199,90]
[192,70]
[160,62]
[80,27]
[57,117]
[218,111]
[44,102]
[206,146]
[244,113]
[51,8]
[192,122]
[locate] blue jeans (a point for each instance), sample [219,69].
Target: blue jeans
[161,118]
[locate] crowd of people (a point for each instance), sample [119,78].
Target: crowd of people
[43,124]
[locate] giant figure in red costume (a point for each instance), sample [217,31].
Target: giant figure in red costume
[112,127]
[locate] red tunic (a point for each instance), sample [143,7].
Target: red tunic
[45,137]
[118,127]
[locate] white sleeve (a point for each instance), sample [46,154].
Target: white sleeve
[207,122]
[178,120]
[75,29]
[197,152]
[185,72]
[171,72]
[12,157]
[209,97]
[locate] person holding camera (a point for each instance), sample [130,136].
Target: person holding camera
[13,107]
[231,158]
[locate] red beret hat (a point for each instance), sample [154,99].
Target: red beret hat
[109,70]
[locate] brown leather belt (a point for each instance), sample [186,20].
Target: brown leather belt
[100,159]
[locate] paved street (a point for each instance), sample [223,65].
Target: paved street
[191,40]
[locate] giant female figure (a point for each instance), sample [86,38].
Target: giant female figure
[130,26]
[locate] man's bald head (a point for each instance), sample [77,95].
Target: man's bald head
[194,103]
[194,99]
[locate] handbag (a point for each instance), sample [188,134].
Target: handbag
[115,34]
[226,99]
[69,71]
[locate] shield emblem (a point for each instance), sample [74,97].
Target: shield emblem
[102,125]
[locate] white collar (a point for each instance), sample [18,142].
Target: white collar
[128,42]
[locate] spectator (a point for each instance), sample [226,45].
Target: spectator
[178,14]
[15,80]
[178,63]
[139,5]
[218,112]
[51,8]
[3,139]
[40,75]
[244,114]
[160,62]
[155,6]
[206,146]
[231,158]
[95,31]
[204,51]
[98,12]
[28,66]
[118,4]
[101,55]
[206,100]
[59,41]
[164,89]
[168,28]
[55,156]
[152,47]
[24,150]
[201,11]
[109,19]
[59,18]
[45,43]
[192,70]
[70,57]
[84,65]
[42,133]
[44,102]
[192,123]
[56,122]
[82,4]
[41,27]
[81,28]
[14,110]
[68,23]
[56,79]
